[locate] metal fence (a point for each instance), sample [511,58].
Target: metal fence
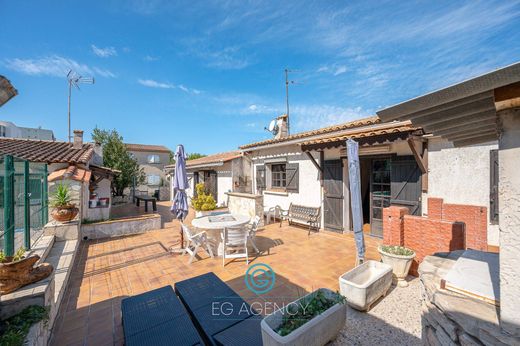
[23,203]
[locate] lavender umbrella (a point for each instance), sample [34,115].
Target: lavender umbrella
[180,184]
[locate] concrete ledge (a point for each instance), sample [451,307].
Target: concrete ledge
[62,230]
[119,227]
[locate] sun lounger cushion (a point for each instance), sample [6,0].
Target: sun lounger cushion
[157,317]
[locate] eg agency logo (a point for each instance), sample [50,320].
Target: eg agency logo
[260,278]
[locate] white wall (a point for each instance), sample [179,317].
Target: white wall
[460,176]
[309,192]
[225,184]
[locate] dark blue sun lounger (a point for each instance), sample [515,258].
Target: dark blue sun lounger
[157,318]
[221,315]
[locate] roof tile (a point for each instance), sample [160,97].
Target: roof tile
[45,151]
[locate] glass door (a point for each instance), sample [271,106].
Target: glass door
[379,194]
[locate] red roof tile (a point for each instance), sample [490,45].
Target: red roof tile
[147,147]
[45,151]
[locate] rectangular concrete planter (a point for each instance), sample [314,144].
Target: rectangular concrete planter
[316,332]
[363,285]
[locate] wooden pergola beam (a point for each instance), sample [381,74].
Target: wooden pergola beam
[421,157]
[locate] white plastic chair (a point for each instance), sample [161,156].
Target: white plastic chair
[234,240]
[253,227]
[194,242]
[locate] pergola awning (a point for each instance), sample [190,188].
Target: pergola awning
[464,113]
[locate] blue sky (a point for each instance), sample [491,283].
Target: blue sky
[209,74]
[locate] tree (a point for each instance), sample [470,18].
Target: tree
[116,156]
[193,156]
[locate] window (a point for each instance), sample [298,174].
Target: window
[2,131]
[278,176]
[154,159]
[153,180]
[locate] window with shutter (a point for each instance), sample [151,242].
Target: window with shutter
[493,193]
[292,175]
[260,178]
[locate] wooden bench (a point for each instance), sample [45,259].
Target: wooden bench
[303,215]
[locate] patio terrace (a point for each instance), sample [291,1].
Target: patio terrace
[108,270]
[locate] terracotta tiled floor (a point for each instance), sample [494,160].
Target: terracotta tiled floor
[106,271]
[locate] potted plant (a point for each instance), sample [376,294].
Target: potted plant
[204,203]
[17,271]
[314,319]
[400,258]
[64,210]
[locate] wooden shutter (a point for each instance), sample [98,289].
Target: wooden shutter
[493,184]
[260,178]
[292,173]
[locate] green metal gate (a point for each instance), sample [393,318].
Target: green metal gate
[23,203]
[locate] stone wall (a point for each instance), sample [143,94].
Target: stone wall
[119,227]
[449,318]
[246,204]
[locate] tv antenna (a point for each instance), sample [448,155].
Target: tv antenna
[287,82]
[75,79]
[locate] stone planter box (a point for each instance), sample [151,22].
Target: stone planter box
[363,285]
[400,265]
[316,332]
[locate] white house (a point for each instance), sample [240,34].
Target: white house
[221,173]
[400,165]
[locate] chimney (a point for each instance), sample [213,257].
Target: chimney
[281,122]
[78,139]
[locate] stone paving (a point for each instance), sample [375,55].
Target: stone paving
[108,270]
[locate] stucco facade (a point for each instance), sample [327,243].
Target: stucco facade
[155,176]
[461,176]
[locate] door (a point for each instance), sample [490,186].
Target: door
[196,180]
[406,184]
[380,173]
[333,195]
[210,182]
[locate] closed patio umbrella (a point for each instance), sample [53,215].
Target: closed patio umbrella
[355,196]
[180,184]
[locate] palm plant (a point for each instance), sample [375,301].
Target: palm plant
[61,197]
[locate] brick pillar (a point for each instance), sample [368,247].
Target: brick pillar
[393,225]
[435,208]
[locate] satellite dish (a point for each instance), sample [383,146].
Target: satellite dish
[273,128]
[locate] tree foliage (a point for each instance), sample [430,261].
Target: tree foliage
[116,156]
[193,156]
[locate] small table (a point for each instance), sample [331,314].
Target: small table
[214,227]
[146,199]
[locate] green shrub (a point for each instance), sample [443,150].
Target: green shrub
[15,329]
[204,201]
[397,250]
[299,314]
[19,254]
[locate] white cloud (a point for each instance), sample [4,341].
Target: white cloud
[228,58]
[154,84]
[340,70]
[150,83]
[103,52]
[308,117]
[55,65]
[150,58]
[253,108]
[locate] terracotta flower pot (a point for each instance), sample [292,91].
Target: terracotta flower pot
[400,265]
[14,275]
[64,214]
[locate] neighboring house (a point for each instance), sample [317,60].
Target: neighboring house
[76,164]
[310,168]
[220,173]
[10,130]
[153,159]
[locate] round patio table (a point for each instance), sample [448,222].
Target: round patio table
[215,224]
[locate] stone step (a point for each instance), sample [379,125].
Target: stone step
[62,258]
[42,247]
